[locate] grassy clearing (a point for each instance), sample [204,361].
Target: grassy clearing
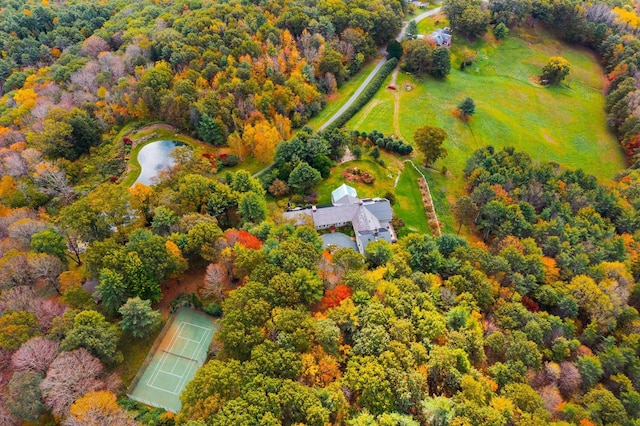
[427,26]
[335,101]
[134,351]
[564,124]
[409,206]
[377,114]
[384,178]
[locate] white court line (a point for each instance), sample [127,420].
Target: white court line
[189,340]
[190,366]
[196,325]
[161,362]
[164,358]
[206,333]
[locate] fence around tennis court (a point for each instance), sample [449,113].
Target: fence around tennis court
[163,397]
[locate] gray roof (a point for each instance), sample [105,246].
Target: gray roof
[441,36]
[326,216]
[367,215]
[364,220]
[344,194]
[338,239]
[368,236]
[381,208]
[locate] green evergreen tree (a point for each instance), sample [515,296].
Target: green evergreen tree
[138,319]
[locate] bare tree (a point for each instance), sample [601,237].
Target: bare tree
[54,183]
[23,229]
[71,375]
[46,311]
[32,157]
[551,397]
[14,216]
[214,280]
[19,298]
[570,379]
[48,268]
[7,245]
[6,419]
[35,354]
[112,63]
[93,45]
[85,78]
[14,165]
[15,271]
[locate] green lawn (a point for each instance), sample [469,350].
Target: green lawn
[377,113]
[385,177]
[427,26]
[565,124]
[134,351]
[344,93]
[409,206]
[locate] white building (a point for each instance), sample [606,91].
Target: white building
[369,217]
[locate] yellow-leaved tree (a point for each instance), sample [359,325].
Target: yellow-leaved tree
[99,408]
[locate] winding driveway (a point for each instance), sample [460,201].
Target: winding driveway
[364,84]
[382,61]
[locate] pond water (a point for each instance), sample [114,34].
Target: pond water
[153,158]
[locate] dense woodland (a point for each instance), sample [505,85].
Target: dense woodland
[533,320]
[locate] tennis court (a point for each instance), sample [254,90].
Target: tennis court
[180,349]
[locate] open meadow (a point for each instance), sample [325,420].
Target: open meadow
[564,124]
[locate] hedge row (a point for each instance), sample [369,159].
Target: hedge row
[365,96]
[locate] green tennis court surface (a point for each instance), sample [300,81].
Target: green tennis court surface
[180,349]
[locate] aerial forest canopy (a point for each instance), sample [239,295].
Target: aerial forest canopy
[218,70]
[532,320]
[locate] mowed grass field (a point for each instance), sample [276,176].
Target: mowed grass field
[564,124]
[335,101]
[409,206]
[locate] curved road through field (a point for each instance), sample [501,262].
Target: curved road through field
[360,89]
[382,61]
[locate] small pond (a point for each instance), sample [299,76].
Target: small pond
[153,158]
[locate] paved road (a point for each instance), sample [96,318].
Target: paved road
[364,84]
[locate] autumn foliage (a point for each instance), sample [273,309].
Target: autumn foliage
[333,297]
[243,238]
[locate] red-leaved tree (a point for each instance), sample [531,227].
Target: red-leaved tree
[333,297]
[243,238]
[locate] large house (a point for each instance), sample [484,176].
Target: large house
[370,218]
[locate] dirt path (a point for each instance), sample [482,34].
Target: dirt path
[364,84]
[348,156]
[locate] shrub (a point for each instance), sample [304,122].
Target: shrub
[229,160]
[501,31]
[366,95]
